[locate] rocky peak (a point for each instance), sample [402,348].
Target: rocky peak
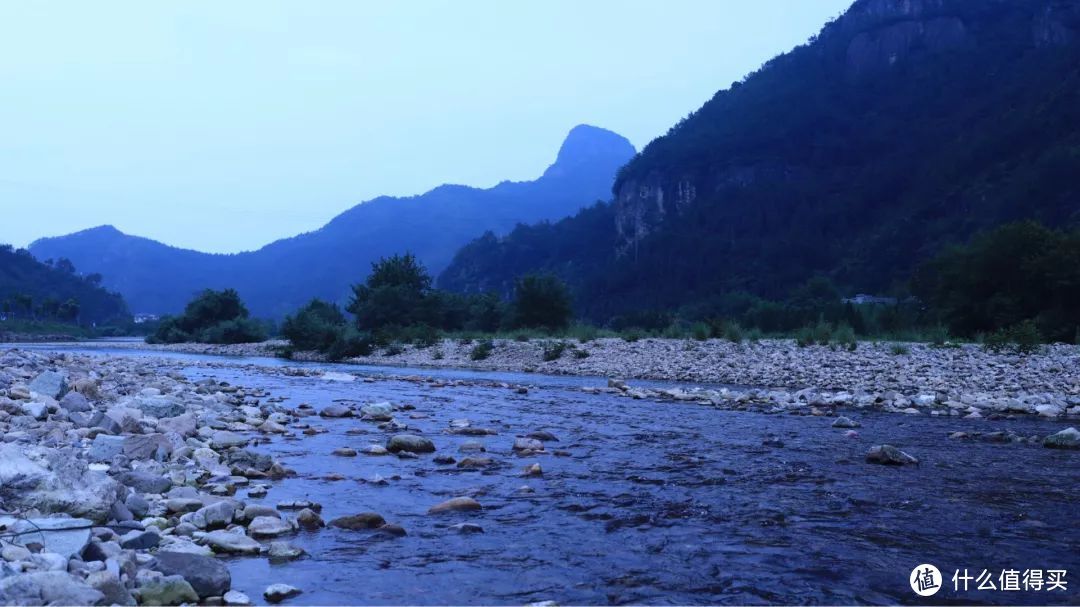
[588,146]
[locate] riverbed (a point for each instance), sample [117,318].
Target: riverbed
[642,501]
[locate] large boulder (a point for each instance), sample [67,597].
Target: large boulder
[54,481]
[409,442]
[377,412]
[185,425]
[50,383]
[364,520]
[75,402]
[105,447]
[889,456]
[145,482]
[1069,438]
[457,504]
[231,543]
[207,575]
[64,536]
[169,590]
[155,405]
[148,446]
[47,588]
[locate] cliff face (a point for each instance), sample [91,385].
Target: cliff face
[904,126]
[871,38]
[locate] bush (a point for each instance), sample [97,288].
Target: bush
[579,353]
[1022,338]
[554,350]
[583,333]
[393,349]
[350,343]
[315,326]
[542,301]
[804,337]
[732,332]
[845,336]
[632,335]
[482,350]
[899,349]
[700,331]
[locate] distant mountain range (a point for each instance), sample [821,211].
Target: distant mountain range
[278,278]
[901,128]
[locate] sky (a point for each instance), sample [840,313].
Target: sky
[222,126]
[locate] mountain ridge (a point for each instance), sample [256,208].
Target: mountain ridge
[160,278]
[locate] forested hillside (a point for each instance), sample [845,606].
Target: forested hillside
[901,128]
[53,291]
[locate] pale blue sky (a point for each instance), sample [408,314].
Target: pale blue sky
[222,126]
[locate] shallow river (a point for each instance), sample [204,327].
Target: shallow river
[659,502]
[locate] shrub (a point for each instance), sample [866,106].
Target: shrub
[315,326]
[482,350]
[1021,338]
[351,343]
[700,331]
[899,349]
[554,350]
[632,335]
[393,349]
[584,333]
[579,353]
[845,336]
[438,354]
[804,337]
[733,332]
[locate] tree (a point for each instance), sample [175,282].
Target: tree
[315,326]
[211,317]
[542,301]
[397,294]
[68,311]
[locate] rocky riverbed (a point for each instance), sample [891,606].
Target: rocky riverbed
[963,380]
[152,480]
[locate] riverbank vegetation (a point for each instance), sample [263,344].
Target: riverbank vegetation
[215,317]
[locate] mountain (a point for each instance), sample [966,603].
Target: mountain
[283,275]
[902,127]
[50,285]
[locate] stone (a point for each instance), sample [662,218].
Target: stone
[889,455]
[527,445]
[167,590]
[444,460]
[467,528]
[1069,438]
[75,402]
[845,422]
[51,384]
[224,439]
[409,442]
[377,412]
[457,504]
[215,516]
[374,450]
[64,536]
[183,504]
[275,593]
[533,470]
[109,584]
[155,405]
[236,598]
[207,575]
[542,435]
[268,526]
[476,462]
[335,410]
[105,447]
[344,452]
[145,482]
[47,588]
[87,387]
[121,419]
[284,551]
[231,543]
[137,505]
[140,540]
[309,519]
[54,480]
[185,425]
[363,520]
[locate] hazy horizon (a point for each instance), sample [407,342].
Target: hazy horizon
[224,127]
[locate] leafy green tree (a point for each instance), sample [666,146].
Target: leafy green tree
[316,326]
[396,295]
[212,317]
[68,311]
[1016,273]
[542,301]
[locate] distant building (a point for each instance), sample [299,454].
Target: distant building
[141,318]
[864,299]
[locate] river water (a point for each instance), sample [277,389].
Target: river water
[656,502]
